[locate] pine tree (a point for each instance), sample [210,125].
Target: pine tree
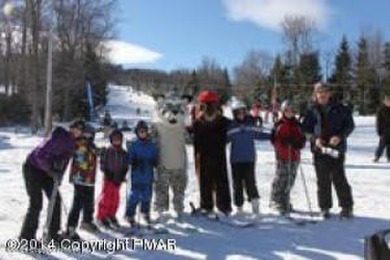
[193,84]
[364,76]
[226,90]
[280,76]
[96,75]
[386,65]
[342,75]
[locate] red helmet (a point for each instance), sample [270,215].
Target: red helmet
[207,96]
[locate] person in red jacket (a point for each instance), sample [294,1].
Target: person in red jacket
[288,139]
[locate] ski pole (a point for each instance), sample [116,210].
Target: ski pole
[50,210]
[306,191]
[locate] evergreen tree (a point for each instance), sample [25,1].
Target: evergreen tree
[97,76]
[193,84]
[386,65]
[342,74]
[226,90]
[364,77]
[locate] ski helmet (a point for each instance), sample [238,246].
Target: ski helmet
[116,132]
[287,104]
[237,105]
[208,96]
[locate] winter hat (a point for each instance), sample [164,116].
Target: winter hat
[114,133]
[208,96]
[78,124]
[287,104]
[321,87]
[141,125]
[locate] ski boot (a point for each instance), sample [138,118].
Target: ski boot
[346,213]
[114,223]
[105,223]
[131,221]
[325,213]
[89,227]
[71,234]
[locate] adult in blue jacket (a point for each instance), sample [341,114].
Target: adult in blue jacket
[241,134]
[328,124]
[142,156]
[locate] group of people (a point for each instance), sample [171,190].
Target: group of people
[327,126]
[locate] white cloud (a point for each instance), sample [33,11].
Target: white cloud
[270,13]
[125,53]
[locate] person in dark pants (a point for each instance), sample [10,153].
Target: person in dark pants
[328,125]
[43,164]
[210,137]
[383,129]
[83,175]
[242,133]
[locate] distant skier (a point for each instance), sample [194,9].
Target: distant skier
[45,163]
[113,164]
[242,133]
[83,175]
[288,139]
[328,125]
[142,156]
[383,129]
[256,112]
[210,137]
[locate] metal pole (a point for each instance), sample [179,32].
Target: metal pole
[49,77]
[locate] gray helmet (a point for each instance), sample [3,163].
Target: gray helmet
[237,104]
[287,104]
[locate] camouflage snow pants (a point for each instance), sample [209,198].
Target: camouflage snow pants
[177,180]
[282,184]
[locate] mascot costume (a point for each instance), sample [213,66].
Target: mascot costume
[169,131]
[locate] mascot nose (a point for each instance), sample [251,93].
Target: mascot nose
[175,112]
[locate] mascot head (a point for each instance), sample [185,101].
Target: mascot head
[171,109]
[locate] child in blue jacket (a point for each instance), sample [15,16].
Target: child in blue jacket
[143,156]
[241,134]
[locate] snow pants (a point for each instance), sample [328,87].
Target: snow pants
[83,200]
[140,193]
[244,177]
[37,181]
[331,170]
[177,180]
[109,200]
[283,182]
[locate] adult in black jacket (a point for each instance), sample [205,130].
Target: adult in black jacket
[328,124]
[383,129]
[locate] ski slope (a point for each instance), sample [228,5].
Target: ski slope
[331,239]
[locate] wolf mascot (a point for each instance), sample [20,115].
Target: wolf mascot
[169,131]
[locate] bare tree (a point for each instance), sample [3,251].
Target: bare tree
[298,35]
[253,72]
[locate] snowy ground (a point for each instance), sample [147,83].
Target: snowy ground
[331,239]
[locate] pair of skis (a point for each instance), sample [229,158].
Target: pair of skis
[230,221]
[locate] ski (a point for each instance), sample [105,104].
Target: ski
[230,221]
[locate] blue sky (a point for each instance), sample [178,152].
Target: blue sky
[173,34]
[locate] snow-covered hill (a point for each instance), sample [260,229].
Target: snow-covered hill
[332,239]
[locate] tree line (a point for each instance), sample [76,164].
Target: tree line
[80,28]
[358,72]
